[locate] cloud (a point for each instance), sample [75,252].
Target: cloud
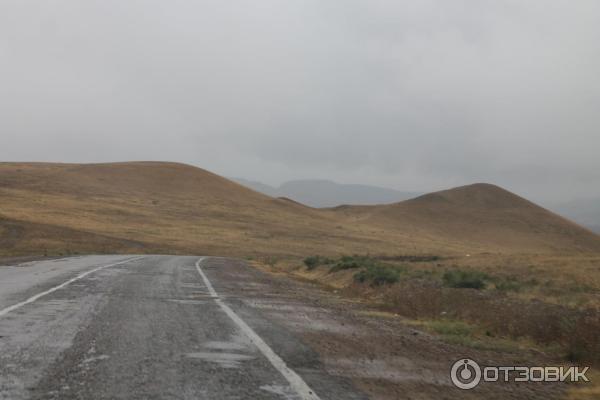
[413,95]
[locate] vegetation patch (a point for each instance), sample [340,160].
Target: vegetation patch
[371,270]
[465,279]
[378,275]
[351,262]
[313,262]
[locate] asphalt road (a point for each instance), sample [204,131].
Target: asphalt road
[151,327]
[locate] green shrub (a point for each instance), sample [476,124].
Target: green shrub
[313,262]
[465,279]
[372,270]
[378,275]
[351,262]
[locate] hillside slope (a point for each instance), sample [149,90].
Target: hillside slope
[154,207]
[484,215]
[175,208]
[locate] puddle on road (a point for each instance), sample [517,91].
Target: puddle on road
[228,354]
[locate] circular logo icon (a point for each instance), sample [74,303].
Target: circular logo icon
[465,374]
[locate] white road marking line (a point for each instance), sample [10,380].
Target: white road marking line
[62,285]
[295,381]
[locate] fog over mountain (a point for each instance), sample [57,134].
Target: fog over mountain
[324,193]
[583,211]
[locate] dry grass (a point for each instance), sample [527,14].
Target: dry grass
[161,207]
[175,208]
[168,208]
[516,306]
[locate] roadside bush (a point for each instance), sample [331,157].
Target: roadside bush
[378,275]
[313,262]
[350,262]
[465,279]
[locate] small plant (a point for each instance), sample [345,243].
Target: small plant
[313,262]
[351,262]
[378,275]
[465,279]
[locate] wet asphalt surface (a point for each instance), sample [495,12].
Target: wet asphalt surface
[146,329]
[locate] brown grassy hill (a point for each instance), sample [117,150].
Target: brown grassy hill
[169,207]
[482,215]
[155,207]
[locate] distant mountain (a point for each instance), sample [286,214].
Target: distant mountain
[583,211]
[324,193]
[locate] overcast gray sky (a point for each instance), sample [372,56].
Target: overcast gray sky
[413,95]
